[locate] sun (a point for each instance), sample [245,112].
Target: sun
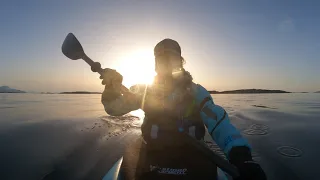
[137,67]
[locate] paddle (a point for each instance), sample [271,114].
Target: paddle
[216,159]
[72,48]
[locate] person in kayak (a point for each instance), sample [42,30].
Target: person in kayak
[174,104]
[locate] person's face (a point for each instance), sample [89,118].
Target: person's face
[168,63]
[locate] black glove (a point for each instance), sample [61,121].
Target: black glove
[112,81]
[248,169]
[111,77]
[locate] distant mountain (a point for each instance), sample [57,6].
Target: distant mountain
[6,89]
[317,92]
[80,92]
[248,91]
[214,92]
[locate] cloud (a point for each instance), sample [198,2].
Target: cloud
[287,25]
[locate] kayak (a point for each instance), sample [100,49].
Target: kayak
[114,172]
[166,164]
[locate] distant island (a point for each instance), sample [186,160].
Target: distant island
[317,92]
[80,92]
[7,89]
[240,91]
[248,91]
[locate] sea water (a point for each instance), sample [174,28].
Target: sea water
[71,136]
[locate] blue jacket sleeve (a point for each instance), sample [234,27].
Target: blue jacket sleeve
[217,121]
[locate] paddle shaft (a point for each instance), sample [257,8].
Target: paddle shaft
[96,67]
[219,161]
[223,164]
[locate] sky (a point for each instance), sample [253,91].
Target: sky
[227,44]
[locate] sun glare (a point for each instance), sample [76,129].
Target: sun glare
[137,67]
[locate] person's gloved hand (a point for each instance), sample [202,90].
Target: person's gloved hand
[111,78]
[112,81]
[248,169]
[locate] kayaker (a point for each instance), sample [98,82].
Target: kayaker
[174,104]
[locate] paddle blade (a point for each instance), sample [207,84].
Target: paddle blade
[72,48]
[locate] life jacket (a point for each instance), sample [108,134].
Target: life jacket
[167,115]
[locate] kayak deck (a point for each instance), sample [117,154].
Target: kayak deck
[140,162]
